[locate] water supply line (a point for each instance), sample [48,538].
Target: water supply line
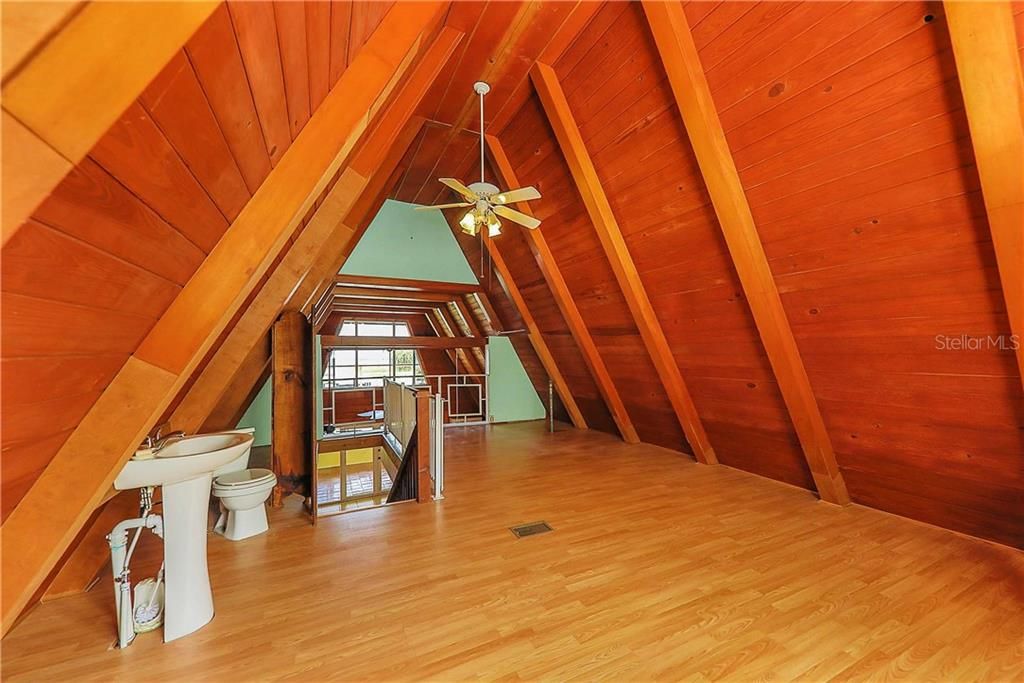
[121,558]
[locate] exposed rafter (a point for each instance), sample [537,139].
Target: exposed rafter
[65,94]
[560,291]
[536,336]
[686,77]
[614,246]
[328,225]
[988,65]
[63,498]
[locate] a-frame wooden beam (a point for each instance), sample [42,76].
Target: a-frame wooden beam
[336,250]
[343,292]
[988,65]
[327,227]
[689,86]
[51,514]
[614,246]
[240,392]
[403,284]
[63,94]
[563,298]
[535,335]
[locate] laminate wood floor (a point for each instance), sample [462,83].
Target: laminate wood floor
[657,568]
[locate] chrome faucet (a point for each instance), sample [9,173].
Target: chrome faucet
[156,441]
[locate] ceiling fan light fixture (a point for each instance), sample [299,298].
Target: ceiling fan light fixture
[468,223]
[493,225]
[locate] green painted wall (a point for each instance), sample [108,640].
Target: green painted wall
[513,397]
[258,415]
[402,242]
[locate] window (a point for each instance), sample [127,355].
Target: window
[355,368]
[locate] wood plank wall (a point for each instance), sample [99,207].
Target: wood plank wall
[848,131]
[623,104]
[852,145]
[100,260]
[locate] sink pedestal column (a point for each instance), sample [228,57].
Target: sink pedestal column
[188,604]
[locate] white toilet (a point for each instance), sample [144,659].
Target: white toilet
[242,493]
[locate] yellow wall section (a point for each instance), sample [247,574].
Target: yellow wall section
[356,456]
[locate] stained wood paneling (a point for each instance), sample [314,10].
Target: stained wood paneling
[632,130]
[291,35]
[103,255]
[256,30]
[318,46]
[138,155]
[177,104]
[854,154]
[214,53]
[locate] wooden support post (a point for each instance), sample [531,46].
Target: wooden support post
[536,337]
[290,417]
[63,498]
[989,68]
[686,77]
[563,297]
[614,246]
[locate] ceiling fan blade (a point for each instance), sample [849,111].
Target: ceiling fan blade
[444,206]
[523,194]
[517,217]
[460,188]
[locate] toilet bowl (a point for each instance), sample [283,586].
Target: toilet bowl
[242,494]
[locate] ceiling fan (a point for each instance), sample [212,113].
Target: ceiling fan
[487,201]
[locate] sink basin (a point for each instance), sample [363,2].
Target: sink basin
[184,459]
[184,469]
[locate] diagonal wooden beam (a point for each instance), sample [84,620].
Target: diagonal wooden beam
[403,284]
[986,53]
[563,297]
[614,246]
[508,283]
[48,518]
[390,294]
[64,94]
[334,252]
[686,77]
[242,389]
[327,227]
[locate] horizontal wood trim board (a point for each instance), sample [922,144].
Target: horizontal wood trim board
[401,284]
[334,342]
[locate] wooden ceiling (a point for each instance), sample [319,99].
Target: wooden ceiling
[878,225]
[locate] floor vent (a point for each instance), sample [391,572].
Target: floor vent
[531,529]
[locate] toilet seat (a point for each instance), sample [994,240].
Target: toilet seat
[243,480]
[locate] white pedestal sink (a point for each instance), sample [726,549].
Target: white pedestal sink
[184,469]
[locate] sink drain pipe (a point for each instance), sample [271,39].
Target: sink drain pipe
[119,564]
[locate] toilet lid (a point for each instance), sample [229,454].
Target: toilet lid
[243,478]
